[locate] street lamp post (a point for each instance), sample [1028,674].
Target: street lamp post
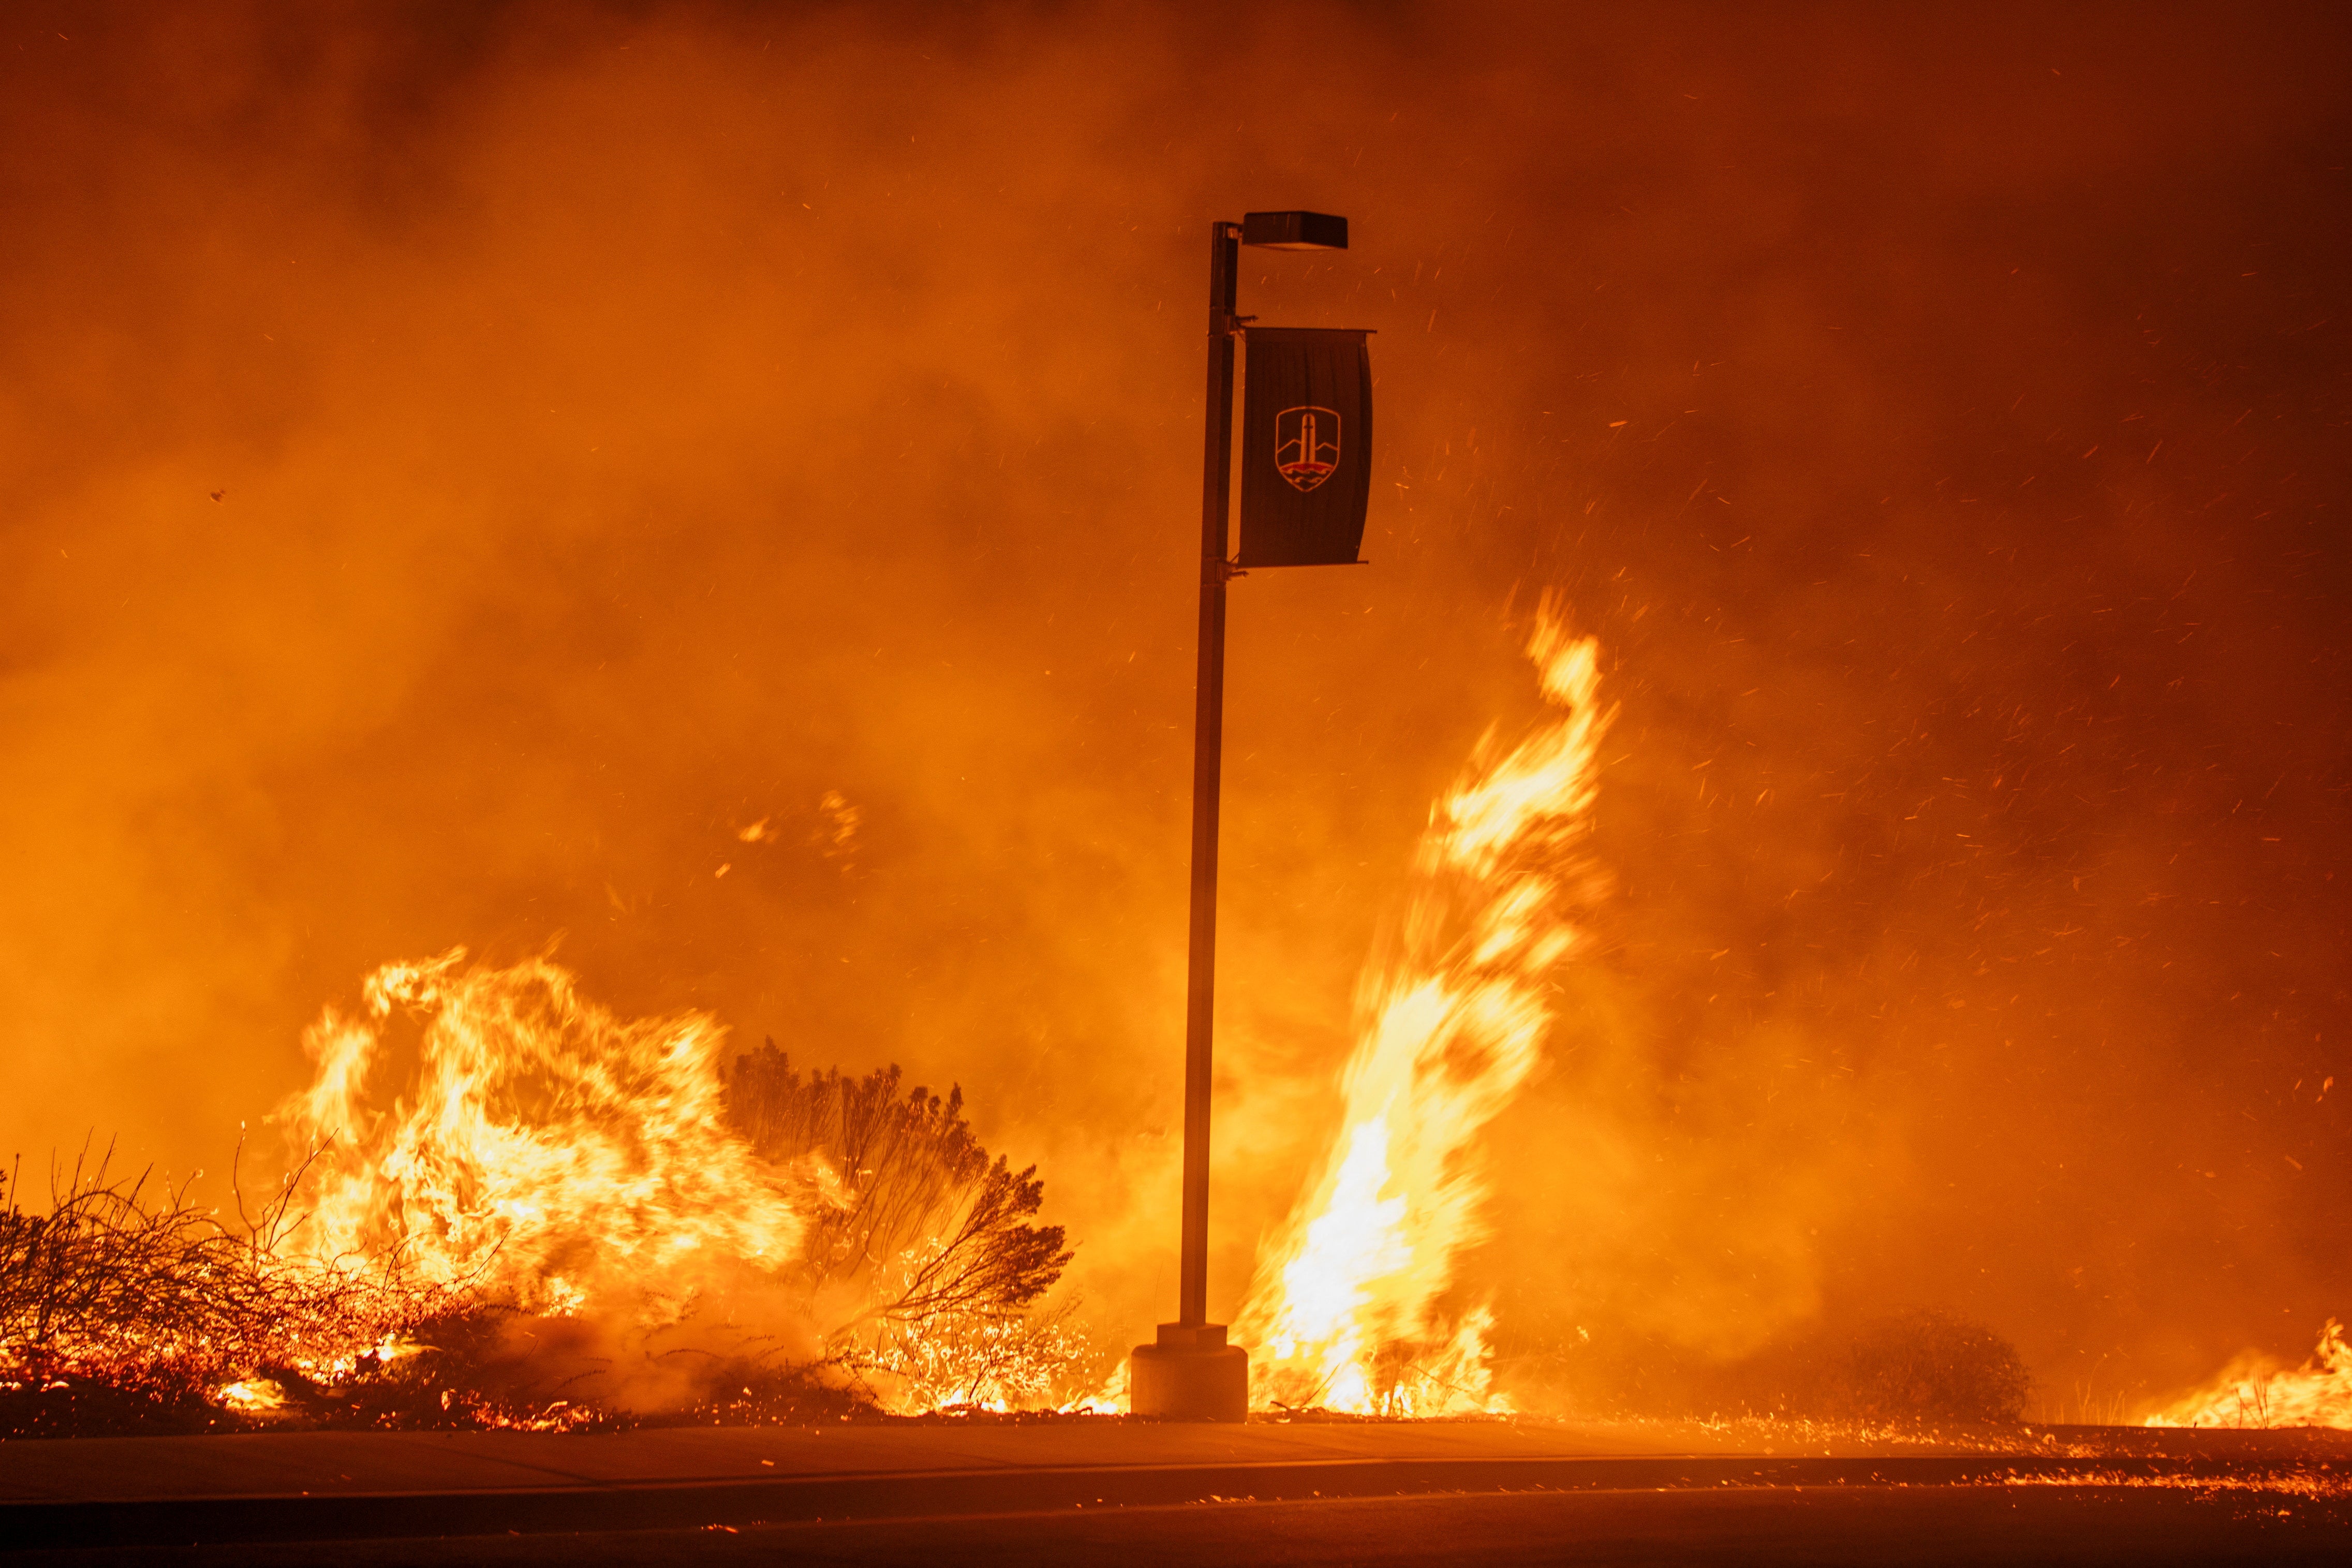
[1190,1372]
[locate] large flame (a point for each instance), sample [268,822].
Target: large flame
[2251,1393]
[1353,1307]
[537,1147]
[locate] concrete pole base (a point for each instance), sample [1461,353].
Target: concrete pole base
[1189,1374]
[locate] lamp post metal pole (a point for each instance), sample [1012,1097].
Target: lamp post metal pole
[1208,747]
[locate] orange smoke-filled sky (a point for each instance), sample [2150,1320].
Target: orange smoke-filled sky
[462,468]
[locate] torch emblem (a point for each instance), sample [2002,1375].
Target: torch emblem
[1305,446]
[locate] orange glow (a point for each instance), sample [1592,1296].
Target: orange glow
[719,485]
[1351,1308]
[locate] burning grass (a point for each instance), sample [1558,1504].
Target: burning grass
[2255,1392]
[557,1220]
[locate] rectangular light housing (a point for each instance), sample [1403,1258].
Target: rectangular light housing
[1295,231]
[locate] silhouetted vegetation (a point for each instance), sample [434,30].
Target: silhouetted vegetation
[1926,1367]
[1914,1369]
[922,1260]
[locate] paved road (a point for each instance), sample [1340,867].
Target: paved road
[1138,1493]
[1762,1526]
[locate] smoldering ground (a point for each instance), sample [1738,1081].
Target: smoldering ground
[715,485]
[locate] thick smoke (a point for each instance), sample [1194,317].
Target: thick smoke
[714,487]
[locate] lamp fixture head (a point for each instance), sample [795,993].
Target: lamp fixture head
[1295,231]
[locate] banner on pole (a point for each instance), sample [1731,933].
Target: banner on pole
[1306,446]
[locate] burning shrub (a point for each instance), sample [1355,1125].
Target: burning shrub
[673,1236]
[125,1308]
[560,1217]
[494,1125]
[920,1257]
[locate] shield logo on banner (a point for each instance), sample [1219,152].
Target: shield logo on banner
[1305,446]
